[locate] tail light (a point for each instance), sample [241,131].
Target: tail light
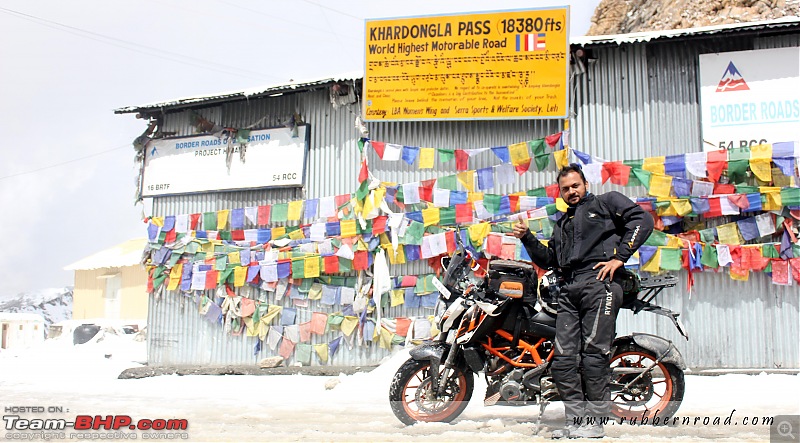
[511,289]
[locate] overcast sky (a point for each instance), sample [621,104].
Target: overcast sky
[67,173]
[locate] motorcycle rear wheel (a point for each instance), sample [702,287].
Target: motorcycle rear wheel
[412,399]
[659,392]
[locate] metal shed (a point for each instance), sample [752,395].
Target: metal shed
[635,97]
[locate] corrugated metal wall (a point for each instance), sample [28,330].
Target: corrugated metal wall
[633,101]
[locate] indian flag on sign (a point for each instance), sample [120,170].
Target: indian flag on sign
[530,42]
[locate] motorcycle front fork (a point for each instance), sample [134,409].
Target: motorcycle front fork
[449,363]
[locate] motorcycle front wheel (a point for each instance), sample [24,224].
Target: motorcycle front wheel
[658,392]
[413,400]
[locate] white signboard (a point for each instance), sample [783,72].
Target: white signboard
[182,165]
[750,97]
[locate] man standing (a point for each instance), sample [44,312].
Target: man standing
[595,238]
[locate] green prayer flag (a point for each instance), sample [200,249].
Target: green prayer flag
[737,171]
[447,216]
[222,263]
[540,156]
[538,192]
[400,196]
[707,235]
[671,259]
[746,189]
[192,247]
[492,202]
[345,265]
[209,221]
[424,284]
[737,154]
[363,190]
[709,256]
[642,176]
[279,213]
[447,182]
[242,136]
[199,257]
[657,238]
[790,197]
[173,258]
[361,145]
[305,285]
[445,155]
[634,164]
[769,251]
[225,235]
[551,209]
[414,233]
[662,205]
[227,274]
[298,268]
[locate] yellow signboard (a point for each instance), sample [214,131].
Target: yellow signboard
[497,65]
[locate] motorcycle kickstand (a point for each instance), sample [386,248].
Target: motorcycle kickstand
[538,423]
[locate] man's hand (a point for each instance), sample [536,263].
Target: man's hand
[520,228]
[607,268]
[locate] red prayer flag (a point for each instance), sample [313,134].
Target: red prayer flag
[724,188]
[461,159]
[341,199]
[780,271]
[211,279]
[716,162]
[752,258]
[552,139]
[194,220]
[646,205]
[331,264]
[464,213]
[402,326]
[739,200]
[494,244]
[360,261]
[237,235]
[552,191]
[715,210]
[794,264]
[426,190]
[617,172]
[171,236]
[378,147]
[263,215]
[523,167]
[450,238]
[364,173]
[379,225]
[513,201]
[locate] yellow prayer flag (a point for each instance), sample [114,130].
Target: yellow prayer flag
[561,157]
[234,258]
[207,247]
[239,276]
[472,197]
[295,210]
[315,293]
[272,312]
[322,351]
[311,266]
[426,157]
[674,241]
[430,216]
[251,327]
[728,234]
[763,151]
[773,198]
[467,178]
[478,232]
[385,340]
[396,258]
[398,297]
[655,165]
[349,324]
[519,153]
[368,206]
[348,228]
[175,276]
[278,232]
[666,210]
[222,218]
[654,265]
[158,221]
[384,239]
[297,234]
[660,185]
[762,168]
[682,206]
[561,205]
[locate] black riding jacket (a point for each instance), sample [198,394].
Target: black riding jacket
[604,227]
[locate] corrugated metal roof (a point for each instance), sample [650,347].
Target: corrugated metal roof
[675,33]
[257,91]
[124,254]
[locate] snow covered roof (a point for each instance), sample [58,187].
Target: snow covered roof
[293,85]
[21,316]
[124,254]
[784,22]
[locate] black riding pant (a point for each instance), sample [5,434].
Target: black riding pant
[585,328]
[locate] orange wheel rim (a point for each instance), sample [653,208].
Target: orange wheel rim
[663,398]
[420,407]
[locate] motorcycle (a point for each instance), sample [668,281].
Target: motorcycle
[504,326]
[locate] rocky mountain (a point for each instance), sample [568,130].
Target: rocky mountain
[53,304]
[627,16]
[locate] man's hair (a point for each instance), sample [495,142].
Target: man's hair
[570,168]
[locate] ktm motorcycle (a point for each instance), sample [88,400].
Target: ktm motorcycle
[504,326]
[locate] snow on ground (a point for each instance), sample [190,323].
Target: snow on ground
[82,379]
